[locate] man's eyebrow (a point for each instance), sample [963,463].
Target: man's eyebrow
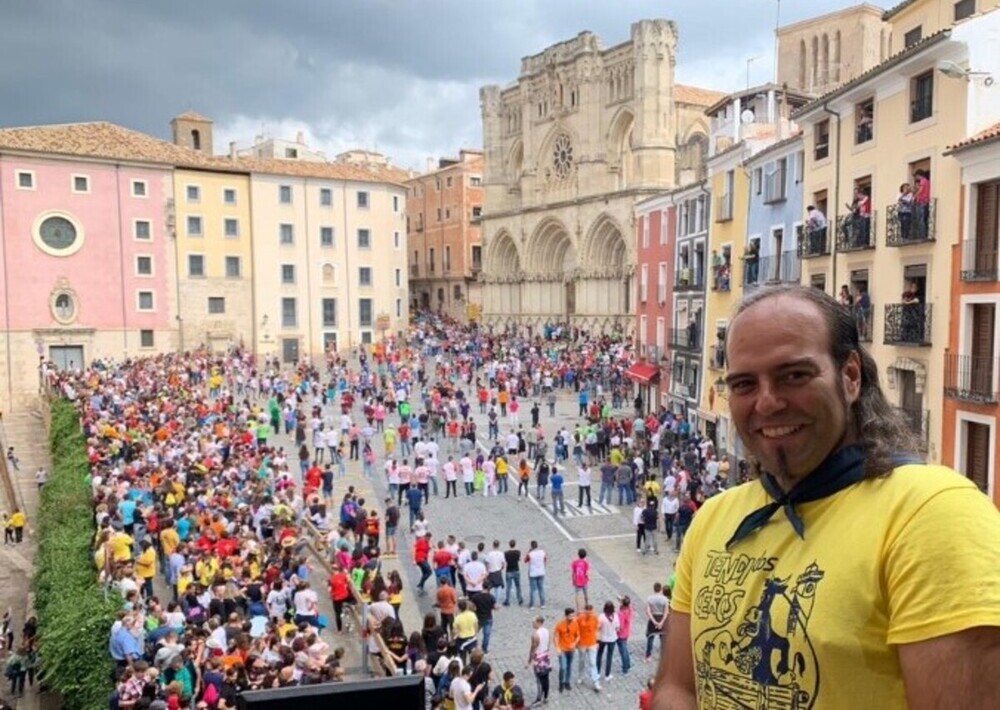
[791,364]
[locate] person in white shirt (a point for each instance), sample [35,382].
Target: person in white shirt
[495,565]
[450,478]
[583,481]
[640,529]
[670,483]
[468,475]
[512,443]
[608,625]
[536,574]
[540,659]
[669,507]
[475,574]
[432,464]
[461,692]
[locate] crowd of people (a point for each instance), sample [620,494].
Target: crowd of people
[203,517]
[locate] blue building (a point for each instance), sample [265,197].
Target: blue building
[776,215]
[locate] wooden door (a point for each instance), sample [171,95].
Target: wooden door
[977,454]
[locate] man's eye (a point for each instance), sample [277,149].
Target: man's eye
[741,386]
[797,377]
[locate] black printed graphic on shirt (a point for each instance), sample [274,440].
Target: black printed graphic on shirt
[763,657]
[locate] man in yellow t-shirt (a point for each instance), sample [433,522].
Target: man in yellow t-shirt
[145,567]
[17,522]
[465,628]
[848,574]
[121,546]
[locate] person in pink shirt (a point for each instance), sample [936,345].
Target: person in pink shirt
[922,200]
[580,571]
[422,475]
[624,632]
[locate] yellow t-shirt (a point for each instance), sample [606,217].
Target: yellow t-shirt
[617,457]
[900,559]
[169,539]
[465,625]
[18,519]
[121,546]
[145,564]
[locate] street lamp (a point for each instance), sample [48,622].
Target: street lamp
[720,388]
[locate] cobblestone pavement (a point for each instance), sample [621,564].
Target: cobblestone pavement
[606,532]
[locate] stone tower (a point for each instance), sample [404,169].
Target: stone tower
[194,131]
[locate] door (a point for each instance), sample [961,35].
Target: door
[983,318]
[290,351]
[977,453]
[911,402]
[67,357]
[571,298]
[987,227]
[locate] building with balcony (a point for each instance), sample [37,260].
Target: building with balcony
[970,436]
[874,164]
[443,242]
[583,134]
[686,334]
[911,21]
[656,233]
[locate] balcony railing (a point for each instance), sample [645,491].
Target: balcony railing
[689,279]
[855,233]
[717,357]
[971,378]
[814,243]
[685,338]
[916,226]
[918,421]
[908,324]
[722,277]
[783,268]
[863,319]
[979,261]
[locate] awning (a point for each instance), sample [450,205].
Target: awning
[643,372]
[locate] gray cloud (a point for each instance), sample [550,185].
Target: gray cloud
[402,76]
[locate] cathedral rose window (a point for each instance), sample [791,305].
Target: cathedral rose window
[562,156]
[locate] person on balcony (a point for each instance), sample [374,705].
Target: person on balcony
[751,261]
[904,211]
[717,264]
[857,229]
[922,201]
[912,320]
[815,230]
[845,297]
[863,312]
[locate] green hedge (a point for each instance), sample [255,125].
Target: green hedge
[74,617]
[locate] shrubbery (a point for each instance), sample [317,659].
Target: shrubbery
[74,617]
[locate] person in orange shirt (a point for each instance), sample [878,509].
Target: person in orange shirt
[503,397]
[567,636]
[587,622]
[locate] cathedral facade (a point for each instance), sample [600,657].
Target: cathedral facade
[582,135]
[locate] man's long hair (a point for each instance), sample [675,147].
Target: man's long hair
[876,425]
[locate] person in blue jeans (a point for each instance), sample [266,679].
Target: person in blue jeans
[512,577]
[567,636]
[558,502]
[535,559]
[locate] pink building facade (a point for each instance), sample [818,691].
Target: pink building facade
[656,221]
[87,264]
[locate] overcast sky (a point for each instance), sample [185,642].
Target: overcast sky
[399,76]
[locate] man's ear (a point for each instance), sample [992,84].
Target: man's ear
[851,376]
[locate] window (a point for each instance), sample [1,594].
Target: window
[216,305]
[366,337]
[395,203]
[291,153]
[913,36]
[194,226]
[362,200]
[644,283]
[141,229]
[365,276]
[233,267]
[864,121]
[285,194]
[645,232]
[144,265]
[477,258]
[477,212]
[449,181]
[139,188]
[447,213]
[822,140]
[663,228]
[196,265]
[365,318]
[229,196]
[196,139]
[399,306]
[25,180]
[329,342]
[81,183]
[447,258]
[231,227]
[330,312]
[289,313]
[774,190]
[964,8]
[399,277]
[287,233]
[146,300]
[818,281]
[325,197]
[457,292]
[431,259]
[364,238]
[288,273]
[395,240]
[437,184]
[922,96]
[329,274]
[146,339]
[193,193]
[439,214]
[758,180]
[326,236]
[475,181]
[661,283]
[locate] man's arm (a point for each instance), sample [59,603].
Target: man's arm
[960,670]
[674,687]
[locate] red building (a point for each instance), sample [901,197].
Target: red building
[655,224]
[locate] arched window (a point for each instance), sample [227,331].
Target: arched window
[836,57]
[802,64]
[815,62]
[196,139]
[825,76]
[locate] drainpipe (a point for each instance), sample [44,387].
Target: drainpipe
[831,234]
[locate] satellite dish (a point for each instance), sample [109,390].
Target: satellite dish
[747,116]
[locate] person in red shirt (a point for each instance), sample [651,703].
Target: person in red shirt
[421,553]
[646,696]
[340,593]
[443,561]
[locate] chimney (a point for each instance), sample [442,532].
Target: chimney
[232,150]
[300,138]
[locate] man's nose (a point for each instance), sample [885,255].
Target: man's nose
[768,400]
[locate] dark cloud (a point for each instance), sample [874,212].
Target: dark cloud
[402,75]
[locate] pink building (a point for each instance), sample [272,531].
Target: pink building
[655,229]
[87,264]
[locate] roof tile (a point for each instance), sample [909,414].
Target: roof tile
[986,135]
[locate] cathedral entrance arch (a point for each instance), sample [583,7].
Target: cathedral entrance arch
[552,259]
[606,260]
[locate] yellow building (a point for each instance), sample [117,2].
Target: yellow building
[214,237]
[864,141]
[912,20]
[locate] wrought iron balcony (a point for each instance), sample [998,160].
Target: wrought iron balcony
[914,227]
[685,338]
[918,421]
[814,243]
[783,268]
[855,233]
[722,277]
[979,261]
[863,319]
[717,357]
[971,378]
[689,279]
[908,324]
